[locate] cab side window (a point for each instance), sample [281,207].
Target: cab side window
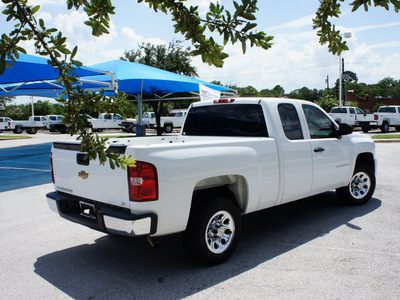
[352,111]
[319,125]
[290,121]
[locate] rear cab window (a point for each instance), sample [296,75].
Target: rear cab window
[241,120]
[290,121]
[339,110]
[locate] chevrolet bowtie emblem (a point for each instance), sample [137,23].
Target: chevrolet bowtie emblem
[83,174]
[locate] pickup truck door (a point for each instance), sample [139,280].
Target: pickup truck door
[296,152]
[330,155]
[352,116]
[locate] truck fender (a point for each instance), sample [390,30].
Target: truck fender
[234,185]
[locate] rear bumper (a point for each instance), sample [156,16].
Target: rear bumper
[102,217]
[371,123]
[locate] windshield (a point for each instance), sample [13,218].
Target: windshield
[226,120]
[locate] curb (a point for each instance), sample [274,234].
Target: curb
[386,140]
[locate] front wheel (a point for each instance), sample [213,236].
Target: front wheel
[32,130]
[361,186]
[213,231]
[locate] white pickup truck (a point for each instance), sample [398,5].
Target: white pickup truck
[4,123]
[233,157]
[31,126]
[174,119]
[354,116]
[108,121]
[54,124]
[388,116]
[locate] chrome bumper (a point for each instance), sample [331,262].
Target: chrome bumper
[102,217]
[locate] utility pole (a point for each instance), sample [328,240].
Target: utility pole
[327,83]
[343,84]
[345,35]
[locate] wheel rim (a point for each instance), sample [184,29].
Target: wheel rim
[360,185]
[220,232]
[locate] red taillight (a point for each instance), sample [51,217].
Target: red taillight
[51,165]
[224,101]
[143,182]
[376,117]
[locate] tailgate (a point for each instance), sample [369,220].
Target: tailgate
[89,179]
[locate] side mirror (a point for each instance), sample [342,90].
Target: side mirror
[344,129]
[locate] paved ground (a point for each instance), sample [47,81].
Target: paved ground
[312,249]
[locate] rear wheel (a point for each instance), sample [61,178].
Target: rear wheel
[398,128]
[168,128]
[360,188]
[385,127]
[365,128]
[213,231]
[18,130]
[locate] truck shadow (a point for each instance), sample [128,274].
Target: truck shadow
[121,268]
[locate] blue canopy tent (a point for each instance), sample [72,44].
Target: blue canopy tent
[31,75]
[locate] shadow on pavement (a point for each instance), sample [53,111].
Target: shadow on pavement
[120,268]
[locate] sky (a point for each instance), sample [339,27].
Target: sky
[295,60]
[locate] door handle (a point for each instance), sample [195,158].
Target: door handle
[319,150]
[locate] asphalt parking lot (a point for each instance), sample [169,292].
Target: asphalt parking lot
[310,249]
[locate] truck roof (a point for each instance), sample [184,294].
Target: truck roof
[254,100]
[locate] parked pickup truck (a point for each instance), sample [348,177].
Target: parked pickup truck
[354,116]
[4,123]
[174,119]
[31,126]
[54,124]
[108,121]
[233,157]
[388,116]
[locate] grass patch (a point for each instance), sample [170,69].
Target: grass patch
[14,137]
[386,136]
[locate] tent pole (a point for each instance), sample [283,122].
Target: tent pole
[33,110]
[140,131]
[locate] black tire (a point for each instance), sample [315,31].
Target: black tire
[361,186]
[64,129]
[385,127]
[213,231]
[365,128]
[18,130]
[397,128]
[168,128]
[32,130]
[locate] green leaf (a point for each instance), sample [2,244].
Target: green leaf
[35,9]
